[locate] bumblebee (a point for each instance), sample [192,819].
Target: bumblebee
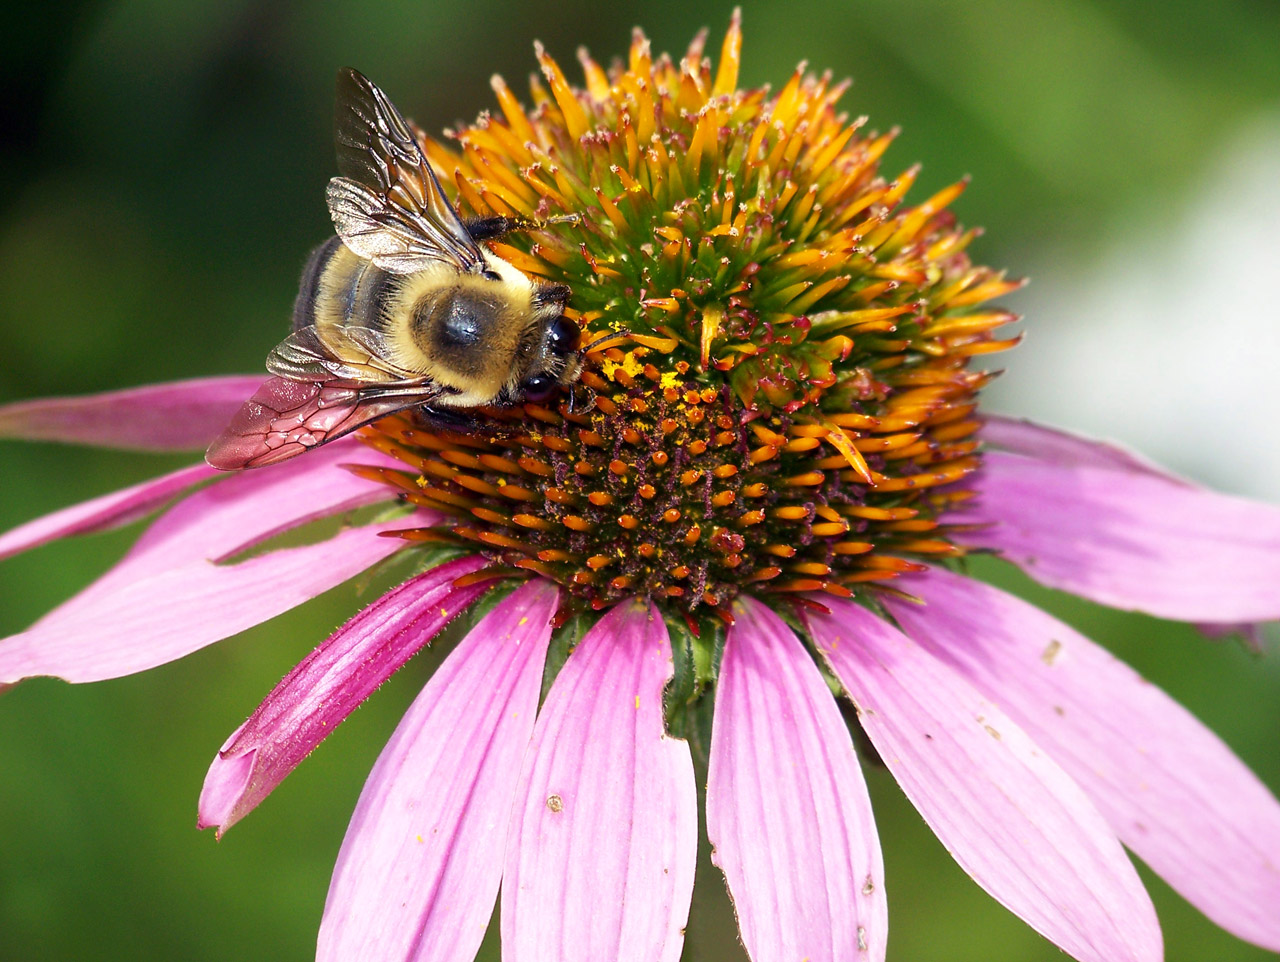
[403,307]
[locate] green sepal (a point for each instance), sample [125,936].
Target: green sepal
[410,563]
[563,640]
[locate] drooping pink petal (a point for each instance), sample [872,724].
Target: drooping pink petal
[1171,790]
[245,509]
[1131,540]
[787,810]
[134,616]
[326,686]
[180,415]
[603,838]
[1056,446]
[239,512]
[419,869]
[166,615]
[100,514]
[1008,814]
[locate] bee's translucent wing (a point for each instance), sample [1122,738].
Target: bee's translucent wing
[388,205]
[355,354]
[285,418]
[326,384]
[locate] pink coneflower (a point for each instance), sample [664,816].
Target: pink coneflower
[765,504]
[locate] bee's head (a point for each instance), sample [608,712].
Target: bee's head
[556,362]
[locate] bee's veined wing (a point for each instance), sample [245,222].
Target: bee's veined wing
[325,385]
[348,353]
[285,418]
[388,205]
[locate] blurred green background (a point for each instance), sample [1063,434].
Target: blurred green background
[163,168]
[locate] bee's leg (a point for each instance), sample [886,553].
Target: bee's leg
[582,400]
[491,228]
[447,418]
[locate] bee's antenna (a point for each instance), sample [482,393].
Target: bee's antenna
[604,343]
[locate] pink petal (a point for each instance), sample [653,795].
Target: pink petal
[1170,788]
[171,572]
[1009,815]
[1130,539]
[101,514]
[787,810]
[136,615]
[1055,446]
[603,839]
[180,415]
[239,512]
[326,686]
[169,614]
[422,860]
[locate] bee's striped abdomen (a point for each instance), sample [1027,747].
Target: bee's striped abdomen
[341,288]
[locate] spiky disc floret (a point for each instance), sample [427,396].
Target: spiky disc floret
[793,407]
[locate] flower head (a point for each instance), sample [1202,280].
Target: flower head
[753,497]
[790,410]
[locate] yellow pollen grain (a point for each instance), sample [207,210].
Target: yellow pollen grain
[629,365]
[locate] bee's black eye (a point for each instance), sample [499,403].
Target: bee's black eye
[538,387]
[491,276]
[562,337]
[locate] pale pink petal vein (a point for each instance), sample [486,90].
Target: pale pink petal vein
[235,514]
